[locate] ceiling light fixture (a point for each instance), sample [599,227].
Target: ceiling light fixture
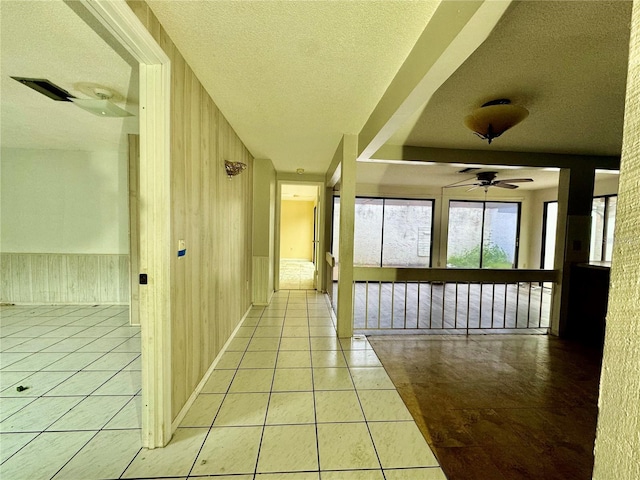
[494,118]
[102,105]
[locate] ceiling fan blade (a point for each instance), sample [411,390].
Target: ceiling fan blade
[516,180]
[474,187]
[502,184]
[462,185]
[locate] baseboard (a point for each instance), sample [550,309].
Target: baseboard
[205,378]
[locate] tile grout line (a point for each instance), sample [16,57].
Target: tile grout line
[273,379]
[44,394]
[213,421]
[41,370]
[366,422]
[313,389]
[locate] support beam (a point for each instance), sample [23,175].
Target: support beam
[494,157]
[347,220]
[332,176]
[454,32]
[575,198]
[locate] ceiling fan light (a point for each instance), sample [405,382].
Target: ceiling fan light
[493,119]
[101,108]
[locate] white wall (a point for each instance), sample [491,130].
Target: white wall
[57,201]
[64,222]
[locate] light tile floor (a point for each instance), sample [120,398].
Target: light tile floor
[287,400]
[81,406]
[296,274]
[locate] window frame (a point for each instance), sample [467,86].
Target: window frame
[375,197]
[543,247]
[516,255]
[605,226]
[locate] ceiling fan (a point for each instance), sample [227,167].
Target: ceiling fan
[488,179]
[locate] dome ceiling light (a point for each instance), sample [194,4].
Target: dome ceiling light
[494,118]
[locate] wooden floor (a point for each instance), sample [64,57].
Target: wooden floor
[451,307]
[499,407]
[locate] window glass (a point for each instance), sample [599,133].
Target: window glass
[367,241]
[405,224]
[597,228]
[482,234]
[500,235]
[406,240]
[551,220]
[610,225]
[465,234]
[335,241]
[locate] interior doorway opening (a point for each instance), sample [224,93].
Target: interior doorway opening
[299,237]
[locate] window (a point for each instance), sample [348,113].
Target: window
[389,232]
[603,220]
[483,234]
[406,237]
[550,221]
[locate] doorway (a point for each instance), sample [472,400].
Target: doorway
[299,240]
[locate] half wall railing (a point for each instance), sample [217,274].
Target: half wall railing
[447,300]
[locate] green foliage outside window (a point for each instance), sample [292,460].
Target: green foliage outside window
[493,256]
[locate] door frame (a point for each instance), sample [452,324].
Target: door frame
[319,220]
[154,212]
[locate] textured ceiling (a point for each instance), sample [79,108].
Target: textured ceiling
[566,62]
[293,76]
[421,174]
[437,175]
[46,39]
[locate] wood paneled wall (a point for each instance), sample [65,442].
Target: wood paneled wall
[56,278]
[262,279]
[210,285]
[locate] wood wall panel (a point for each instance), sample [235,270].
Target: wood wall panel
[210,289]
[55,278]
[261,275]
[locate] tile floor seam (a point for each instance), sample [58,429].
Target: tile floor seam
[315,406]
[14,453]
[213,421]
[375,448]
[266,413]
[131,462]
[105,423]
[74,455]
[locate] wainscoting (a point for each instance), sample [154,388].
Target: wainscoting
[262,281]
[53,278]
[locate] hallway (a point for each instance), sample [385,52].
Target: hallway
[499,407]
